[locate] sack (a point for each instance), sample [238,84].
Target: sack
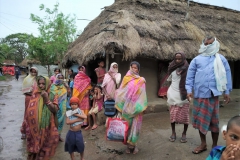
[109,108]
[117,130]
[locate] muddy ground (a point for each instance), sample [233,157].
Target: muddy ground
[153,142]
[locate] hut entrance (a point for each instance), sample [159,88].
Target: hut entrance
[92,65]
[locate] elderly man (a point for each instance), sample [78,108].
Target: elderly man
[209,76]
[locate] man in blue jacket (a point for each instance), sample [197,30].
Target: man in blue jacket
[209,76]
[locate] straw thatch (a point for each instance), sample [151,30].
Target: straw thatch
[27,62]
[157,29]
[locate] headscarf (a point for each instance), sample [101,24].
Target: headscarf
[113,72]
[138,65]
[28,82]
[74,100]
[58,81]
[47,83]
[219,69]
[181,69]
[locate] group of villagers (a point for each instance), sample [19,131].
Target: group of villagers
[46,102]
[208,75]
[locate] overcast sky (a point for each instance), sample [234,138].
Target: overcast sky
[14,14]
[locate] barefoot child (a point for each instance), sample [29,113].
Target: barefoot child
[97,107]
[177,95]
[74,139]
[232,137]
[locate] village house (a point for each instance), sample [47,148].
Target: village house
[151,32]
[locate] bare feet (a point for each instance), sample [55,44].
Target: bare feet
[94,126]
[61,139]
[135,150]
[87,128]
[128,150]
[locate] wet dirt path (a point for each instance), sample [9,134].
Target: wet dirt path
[153,143]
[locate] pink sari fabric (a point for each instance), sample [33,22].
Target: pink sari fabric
[101,72]
[82,84]
[108,82]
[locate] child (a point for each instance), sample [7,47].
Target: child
[232,137]
[53,77]
[97,106]
[100,72]
[72,76]
[74,140]
[177,95]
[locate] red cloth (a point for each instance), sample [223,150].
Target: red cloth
[179,114]
[74,100]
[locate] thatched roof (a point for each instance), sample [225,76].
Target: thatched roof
[156,28]
[8,62]
[26,62]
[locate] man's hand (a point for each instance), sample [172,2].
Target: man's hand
[189,97]
[226,98]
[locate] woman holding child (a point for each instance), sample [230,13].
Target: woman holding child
[131,101]
[177,95]
[41,121]
[58,88]
[81,87]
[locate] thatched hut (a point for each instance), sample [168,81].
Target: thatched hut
[153,30]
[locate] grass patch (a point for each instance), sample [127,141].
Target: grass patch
[3,78]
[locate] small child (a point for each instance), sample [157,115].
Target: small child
[100,72]
[97,106]
[74,139]
[71,83]
[232,137]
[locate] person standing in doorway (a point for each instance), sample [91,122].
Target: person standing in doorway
[209,76]
[100,72]
[177,95]
[111,82]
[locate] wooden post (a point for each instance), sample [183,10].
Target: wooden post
[107,62]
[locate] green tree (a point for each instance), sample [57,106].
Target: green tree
[15,46]
[57,31]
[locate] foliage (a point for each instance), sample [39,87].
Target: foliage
[15,47]
[3,78]
[57,31]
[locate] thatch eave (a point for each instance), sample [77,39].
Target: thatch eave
[155,28]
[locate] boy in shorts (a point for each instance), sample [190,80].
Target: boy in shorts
[74,139]
[232,137]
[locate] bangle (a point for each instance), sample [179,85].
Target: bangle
[48,102]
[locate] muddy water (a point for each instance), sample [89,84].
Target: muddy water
[153,142]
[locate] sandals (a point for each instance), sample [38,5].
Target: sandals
[172,138]
[197,150]
[23,136]
[183,139]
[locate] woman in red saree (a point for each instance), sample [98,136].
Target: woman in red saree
[41,131]
[81,88]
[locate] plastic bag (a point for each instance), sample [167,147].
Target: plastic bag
[117,130]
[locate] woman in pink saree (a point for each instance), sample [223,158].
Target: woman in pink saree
[111,82]
[81,88]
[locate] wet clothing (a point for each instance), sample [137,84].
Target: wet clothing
[74,142]
[216,153]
